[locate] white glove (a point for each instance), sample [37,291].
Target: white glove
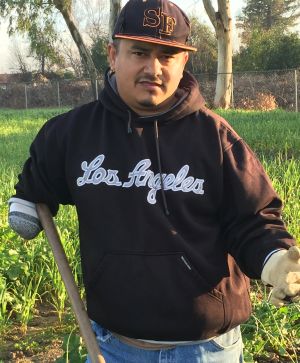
[282,271]
[23,218]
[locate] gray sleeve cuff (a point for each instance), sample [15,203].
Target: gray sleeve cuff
[23,218]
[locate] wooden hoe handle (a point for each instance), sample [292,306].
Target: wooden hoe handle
[70,284]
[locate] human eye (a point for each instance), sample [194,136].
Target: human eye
[167,58]
[138,53]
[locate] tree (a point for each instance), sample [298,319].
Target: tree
[92,17]
[71,57]
[268,14]
[65,8]
[99,53]
[269,50]
[43,45]
[18,58]
[115,8]
[95,17]
[205,59]
[23,14]
[222,22]
[286,53]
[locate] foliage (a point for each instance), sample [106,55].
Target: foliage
[99,53]
[205,59]
[22,14]
[36,19]
[43,42]
[266,15]
[74,350]
[267,50]
[26,17]
[272,329]
[262,101]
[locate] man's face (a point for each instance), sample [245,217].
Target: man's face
[147,74]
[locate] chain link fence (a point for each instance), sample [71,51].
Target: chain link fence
[63,93]
[283,86]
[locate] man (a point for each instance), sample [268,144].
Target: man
[174,209]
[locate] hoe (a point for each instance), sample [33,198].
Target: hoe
[71,287]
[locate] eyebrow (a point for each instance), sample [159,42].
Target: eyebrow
[141,48]
[167,50]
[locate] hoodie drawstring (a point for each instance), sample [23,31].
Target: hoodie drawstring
[129,129]
[159,169]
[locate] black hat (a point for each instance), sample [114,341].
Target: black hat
[154,21]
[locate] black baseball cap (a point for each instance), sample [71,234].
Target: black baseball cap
[154,21]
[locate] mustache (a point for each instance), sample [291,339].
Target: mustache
[149,78]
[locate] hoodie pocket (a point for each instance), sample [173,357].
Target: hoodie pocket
[154,296]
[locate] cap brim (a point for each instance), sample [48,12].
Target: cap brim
[156,41]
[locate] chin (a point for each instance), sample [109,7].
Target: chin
[148,104]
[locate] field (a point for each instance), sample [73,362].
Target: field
[35,317]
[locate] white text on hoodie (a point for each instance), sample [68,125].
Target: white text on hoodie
[140,176]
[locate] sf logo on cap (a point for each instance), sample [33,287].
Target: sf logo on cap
[155,18]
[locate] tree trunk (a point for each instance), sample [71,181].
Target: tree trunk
[43,64]
[222,23]
[115,8]
[65,8]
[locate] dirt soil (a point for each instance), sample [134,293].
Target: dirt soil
[40,342]
[43,338]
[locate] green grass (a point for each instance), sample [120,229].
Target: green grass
[29,279]
[268,133]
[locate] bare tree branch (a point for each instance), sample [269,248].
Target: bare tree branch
[65,8]
[72,57]
[18,58]
[210,12]
[95,17]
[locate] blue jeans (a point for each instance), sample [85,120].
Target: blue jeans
[227,348]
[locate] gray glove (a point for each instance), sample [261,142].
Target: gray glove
[23,218]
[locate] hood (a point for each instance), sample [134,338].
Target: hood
[189,100]
[188,94]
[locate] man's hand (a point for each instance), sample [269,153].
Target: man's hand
[282,271]
[23,218]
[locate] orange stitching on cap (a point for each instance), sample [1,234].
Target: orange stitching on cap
[157,41]
[151,18]
[168,23]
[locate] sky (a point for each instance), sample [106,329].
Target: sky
[191,7]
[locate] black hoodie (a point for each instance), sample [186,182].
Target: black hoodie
[159,263]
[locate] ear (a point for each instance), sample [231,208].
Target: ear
[111,53]
[186,57]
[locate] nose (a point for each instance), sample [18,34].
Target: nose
[153,66]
